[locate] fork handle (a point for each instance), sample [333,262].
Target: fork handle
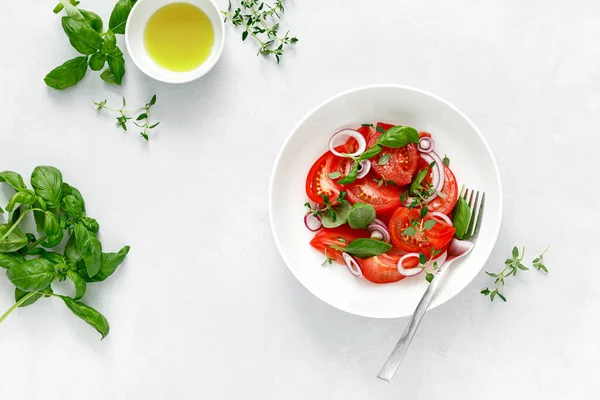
[391,365]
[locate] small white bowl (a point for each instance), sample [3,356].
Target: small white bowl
[134,39]
[471,161]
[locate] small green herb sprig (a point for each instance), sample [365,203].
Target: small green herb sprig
[84,31]
[141,121]
[257,19]
[419,225]
[33,263]
[512,266]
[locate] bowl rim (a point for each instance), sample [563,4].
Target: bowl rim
[192,77]
[368,87]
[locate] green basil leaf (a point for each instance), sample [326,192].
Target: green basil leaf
[97,61]
[9,260]
[47,183]
[90,249]
[53,230]
[24,197]
[71,253]
[341,215]
[384,159]
[1,210]
[429,277]
[114,56]
[92,19]
[19,294]
[68,74]
[15,240]
[351,177]
[118,16]
[54,258]
[88,314]
[82,37]
[79,282]
[460,217]
[32,275]
[71,190]
[410,231]
[110,263]
[361,215]
[446,161]
[364,248]
[73,207]
[415,185]
[398,136]
[370,153]
[108,77]
[13,179]
[91,224]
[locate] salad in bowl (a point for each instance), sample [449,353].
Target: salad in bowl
[383,202]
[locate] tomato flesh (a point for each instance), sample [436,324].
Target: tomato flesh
[423,241]
[339,237]
[384,268]
[402,163]
[449,192]
[383,198]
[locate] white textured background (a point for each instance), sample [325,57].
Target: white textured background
[204,307]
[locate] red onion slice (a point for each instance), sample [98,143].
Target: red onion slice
[364,166]
[379,231]
[408,271]
[341,137]
[313,223]
[442,216]
[352,265]
[426,144]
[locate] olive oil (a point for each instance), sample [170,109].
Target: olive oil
[179,37]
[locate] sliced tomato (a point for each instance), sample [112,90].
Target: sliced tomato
[424,134]
[402,164]
[339,237]
[423,241]
[318,182]
[383,198]
[384,268]
[381,269]
[445,203]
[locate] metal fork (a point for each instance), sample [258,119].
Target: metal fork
[457,249]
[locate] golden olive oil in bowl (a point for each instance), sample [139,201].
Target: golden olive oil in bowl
[179,37]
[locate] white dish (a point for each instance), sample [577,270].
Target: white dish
[134,39]
[470,159]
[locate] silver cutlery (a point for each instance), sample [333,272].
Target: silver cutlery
[456,250]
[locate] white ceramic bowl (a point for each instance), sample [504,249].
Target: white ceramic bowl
[470,159]
[134,38]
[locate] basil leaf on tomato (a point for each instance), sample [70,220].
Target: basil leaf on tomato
[398,136]
[361,215]
[337,215]
[365,248]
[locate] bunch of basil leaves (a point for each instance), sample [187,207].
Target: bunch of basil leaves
[59,213]
[84,30]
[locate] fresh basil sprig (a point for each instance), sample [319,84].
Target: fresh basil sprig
[395,137]
[460,217]
[84,31]
[59,211]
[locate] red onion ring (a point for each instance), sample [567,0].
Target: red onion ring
[379,231]
[364,166]
[352,265]
[426,144]
[342,136]
[313,227]
[442,216]
[408,271]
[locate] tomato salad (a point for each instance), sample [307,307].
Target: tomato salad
[384,203]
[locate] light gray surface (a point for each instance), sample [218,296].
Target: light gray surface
[204,307]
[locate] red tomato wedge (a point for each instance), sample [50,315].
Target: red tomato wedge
[382,198]
[384,268]
[446,203]
[449,192]
[318,182]
[339,237]
[402,164]
[436,238]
